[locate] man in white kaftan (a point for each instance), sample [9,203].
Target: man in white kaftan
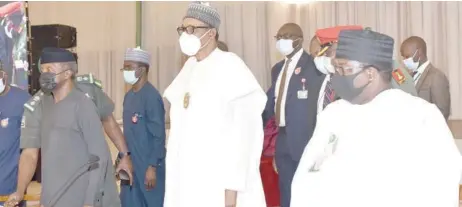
[356,156]
[216,134]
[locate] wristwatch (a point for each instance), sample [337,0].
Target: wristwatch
[121,155]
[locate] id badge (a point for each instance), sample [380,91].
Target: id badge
[302,94]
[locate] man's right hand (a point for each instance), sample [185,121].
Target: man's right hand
[14,199]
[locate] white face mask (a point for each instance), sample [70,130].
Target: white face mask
[410,64]
[324,64]
[130,77]
[2,85]
[285,46]
[190,44]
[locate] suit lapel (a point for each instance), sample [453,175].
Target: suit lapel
[423,77]
[295,82]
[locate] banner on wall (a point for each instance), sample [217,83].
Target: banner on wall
[13,42]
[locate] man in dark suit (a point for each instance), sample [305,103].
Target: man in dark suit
[292,99]
[430,82]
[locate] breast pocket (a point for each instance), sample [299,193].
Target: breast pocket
[11,122]
[425,94]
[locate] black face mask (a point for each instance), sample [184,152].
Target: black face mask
[48,82]
[344,86]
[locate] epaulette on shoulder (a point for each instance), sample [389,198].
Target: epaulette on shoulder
[89,79]
[32,103]
[398,76]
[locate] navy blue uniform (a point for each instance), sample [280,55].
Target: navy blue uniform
[144,130]
[11,112]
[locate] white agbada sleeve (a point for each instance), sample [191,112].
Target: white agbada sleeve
[245,101]
[441,160]
[313,150]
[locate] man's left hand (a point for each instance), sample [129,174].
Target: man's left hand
[125,164]
[150,178]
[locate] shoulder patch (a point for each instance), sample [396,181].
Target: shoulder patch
[398,76]
[89,79]
[32,103]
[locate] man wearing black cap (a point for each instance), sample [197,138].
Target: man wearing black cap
[216,134]
[356,158]
[76,168]
[92,88]
[11,110]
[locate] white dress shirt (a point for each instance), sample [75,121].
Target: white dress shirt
[322,93]
[420,71]
[290,71]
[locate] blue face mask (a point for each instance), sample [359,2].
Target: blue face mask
[410,64]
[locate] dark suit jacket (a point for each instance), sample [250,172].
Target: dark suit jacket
[300,114]
[433,86]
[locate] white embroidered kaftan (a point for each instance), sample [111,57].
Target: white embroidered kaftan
[396,150]
[215,142]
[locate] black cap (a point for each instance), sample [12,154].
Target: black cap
[56,55]
[366,46]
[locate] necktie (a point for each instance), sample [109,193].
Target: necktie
[329,94]
[282,86]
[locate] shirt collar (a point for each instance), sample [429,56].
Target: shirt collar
[422,67]
[296,56]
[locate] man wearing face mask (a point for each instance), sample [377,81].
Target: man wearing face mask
[292,99]
[430,82]
[328,44]
[69,135]
[92,87]
[11,101]
[328,38]
[216,134]
[354,158]
[144,129]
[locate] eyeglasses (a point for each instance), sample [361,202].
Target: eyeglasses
[129,68]
[350,68]
[286,36]
[189,29]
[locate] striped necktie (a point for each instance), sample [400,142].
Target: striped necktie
[329,94]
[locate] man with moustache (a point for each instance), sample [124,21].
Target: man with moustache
[216,134]
[430,82]
[292,99]
[355,159]
[11,101]
[71,139]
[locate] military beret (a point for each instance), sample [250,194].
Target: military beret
[328,35]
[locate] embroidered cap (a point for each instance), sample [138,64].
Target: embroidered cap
[137,55]
[203,12]
[366,46]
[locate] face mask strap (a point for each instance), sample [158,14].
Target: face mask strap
[413,56]
[208,41]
